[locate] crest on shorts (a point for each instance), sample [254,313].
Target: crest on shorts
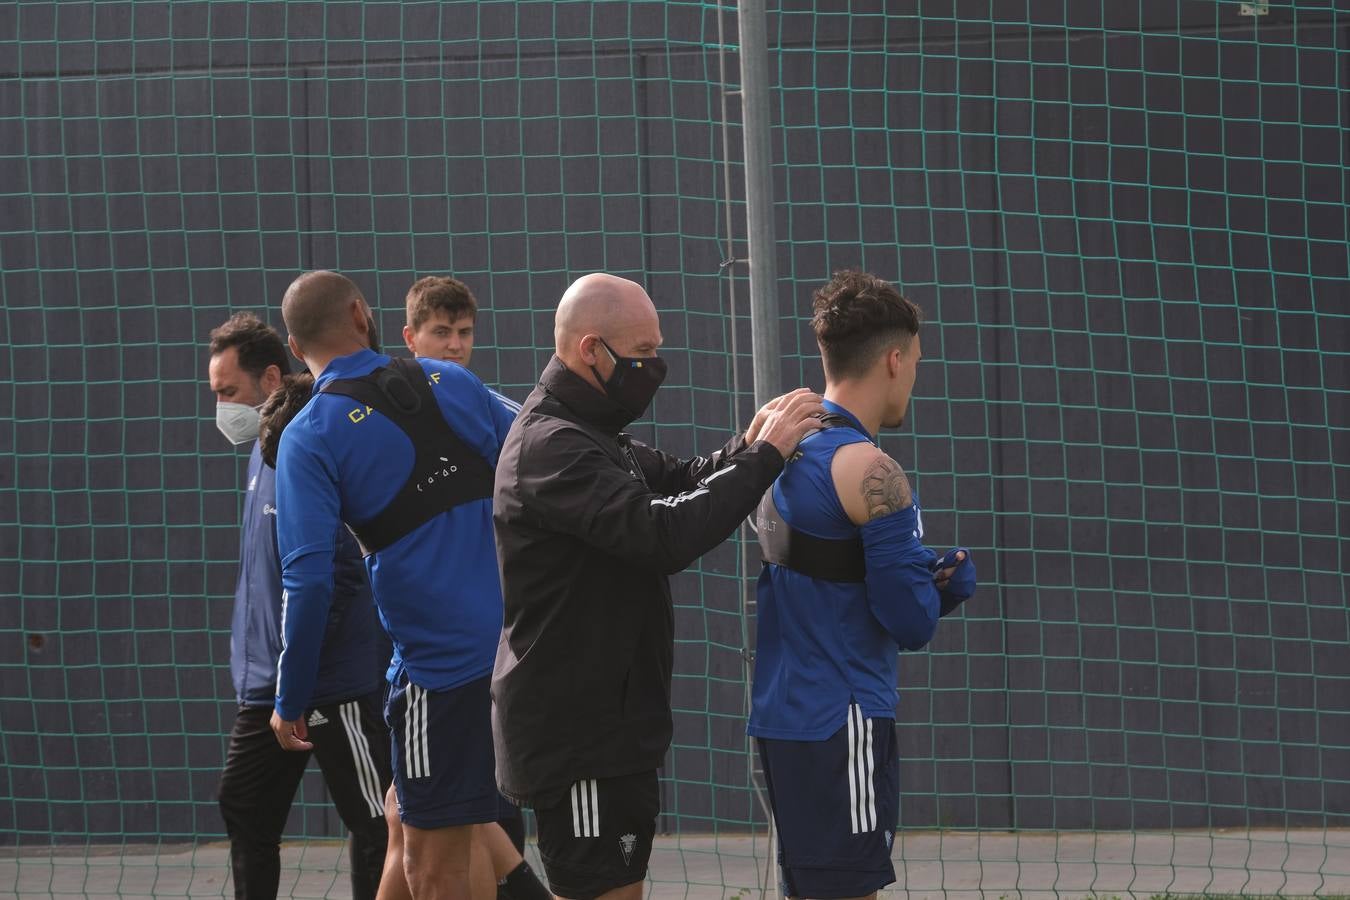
[890,836]
[626,843]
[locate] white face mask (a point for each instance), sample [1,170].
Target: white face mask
[238,421]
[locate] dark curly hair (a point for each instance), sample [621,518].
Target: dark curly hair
[278,410]
[856,316]
[258,344]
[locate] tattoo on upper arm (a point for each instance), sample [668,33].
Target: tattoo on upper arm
[885,488]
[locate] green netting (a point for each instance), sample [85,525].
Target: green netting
[1126,224]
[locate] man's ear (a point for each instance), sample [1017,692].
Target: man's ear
[271,379]
[295,348]
[587,349]
[894,358]
[408,339]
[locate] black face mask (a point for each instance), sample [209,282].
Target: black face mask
[634,381]
[372,335]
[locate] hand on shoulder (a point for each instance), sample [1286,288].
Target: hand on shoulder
[785,420]
[869,483]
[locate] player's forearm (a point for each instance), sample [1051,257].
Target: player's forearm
[307,598]
[307,530]
[900,588]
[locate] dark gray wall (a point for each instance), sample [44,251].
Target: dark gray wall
[1128,230]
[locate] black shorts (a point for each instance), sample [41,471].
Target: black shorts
[598,835]
[444,768]
[836,804]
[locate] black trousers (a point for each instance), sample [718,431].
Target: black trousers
[259,782]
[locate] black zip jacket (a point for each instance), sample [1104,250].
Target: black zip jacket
[589,525]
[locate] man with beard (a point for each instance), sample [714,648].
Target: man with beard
[259,781]
[402,452]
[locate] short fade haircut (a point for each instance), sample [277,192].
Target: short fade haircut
[257,343]
[856,316]
[313,306]
[439,293]
[277,411]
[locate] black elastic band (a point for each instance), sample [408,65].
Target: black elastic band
[829,559]
[446,471]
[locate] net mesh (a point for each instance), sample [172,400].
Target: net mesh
[1126,224]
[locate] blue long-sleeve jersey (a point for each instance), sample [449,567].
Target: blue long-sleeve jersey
[825,644]
[436,588]
[348,662]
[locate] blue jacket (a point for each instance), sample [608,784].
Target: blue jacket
[436,588]
[348,664]
[823,645]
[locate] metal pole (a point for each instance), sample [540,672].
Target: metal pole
[759,200]
[763,265]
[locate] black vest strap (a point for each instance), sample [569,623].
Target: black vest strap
[829,559]
[446,471]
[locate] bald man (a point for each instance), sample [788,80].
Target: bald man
[590,524]
[401,451]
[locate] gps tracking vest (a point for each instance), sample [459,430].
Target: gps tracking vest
[446,471]
[829,559]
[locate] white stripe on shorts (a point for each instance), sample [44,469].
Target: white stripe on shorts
[408,705]
[852,770]
[416,753]
[870,784]
[425,748]
[586,809]
[366,777]
[424,734]
[862,794]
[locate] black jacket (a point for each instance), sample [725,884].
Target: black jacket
[589,525]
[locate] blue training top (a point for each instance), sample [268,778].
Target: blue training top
[436,588]
[348,663]
[823,645]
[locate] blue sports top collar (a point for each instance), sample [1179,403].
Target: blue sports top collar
[832,407]
[353,364]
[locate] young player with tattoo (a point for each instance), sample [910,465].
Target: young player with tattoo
[847,581]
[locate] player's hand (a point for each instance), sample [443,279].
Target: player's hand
[955,579]
[785,420]
[291,735]
[946,566]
